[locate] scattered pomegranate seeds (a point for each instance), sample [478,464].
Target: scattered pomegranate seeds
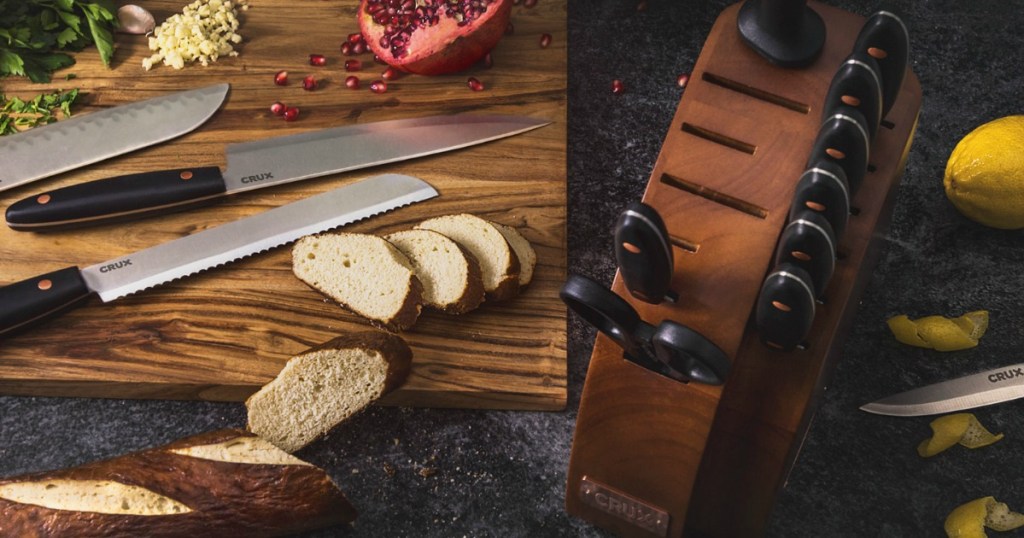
[309,83]
[683,80]
[618,87]
[475,84]
[355,37]
[318,60]
[291,113]
[529,3]
[281,78]
[378,86]
[352,82]
[346,48]
[359,47]
[389,74]
[277,108]
[353,65]
[545,40]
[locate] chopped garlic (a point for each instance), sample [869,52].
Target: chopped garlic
[203,32]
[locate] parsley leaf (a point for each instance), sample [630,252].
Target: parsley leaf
[17,115]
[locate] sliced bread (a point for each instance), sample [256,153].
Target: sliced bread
[451,277]
[524,251]
[498,261]
[364,273]
[322,387]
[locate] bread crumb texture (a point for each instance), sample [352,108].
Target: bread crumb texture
[498,261]
[99,496]
[524,251]
[450,276]
[247,450]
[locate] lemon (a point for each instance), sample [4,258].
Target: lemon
[985,174]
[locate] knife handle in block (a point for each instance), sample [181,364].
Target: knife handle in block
[117,198]
[25,303]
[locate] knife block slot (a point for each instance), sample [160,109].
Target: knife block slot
[710,459]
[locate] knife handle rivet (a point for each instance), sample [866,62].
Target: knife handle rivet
[45,284]
[631,247]
[186,175]
[43,199]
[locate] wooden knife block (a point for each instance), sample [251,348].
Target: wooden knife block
[652,456]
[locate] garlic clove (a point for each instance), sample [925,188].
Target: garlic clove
[135,20]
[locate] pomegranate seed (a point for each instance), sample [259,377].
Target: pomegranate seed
[355,38]
[379,60]
[353,65]
[545,40]
[529,3]
[346,48]
[309,83]
[378,86]
[389,74]
[359,47]
[352,82]
[683,80]
[281,78]
[291,113]
[475,84]
[510,29]
[618,87]
[277,108]
[317,60]
[487,62]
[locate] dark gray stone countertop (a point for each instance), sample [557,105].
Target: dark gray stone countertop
[503,474]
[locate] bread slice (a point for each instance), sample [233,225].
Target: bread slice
[324,386]
[451,277]
[498,261]
[364,273]
[524,251]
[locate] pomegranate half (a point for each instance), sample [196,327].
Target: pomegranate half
[433,37]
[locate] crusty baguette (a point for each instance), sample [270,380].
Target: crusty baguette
[498,261]
[524,251]
[211,484]
[324,386]
[363,273]
[450,274]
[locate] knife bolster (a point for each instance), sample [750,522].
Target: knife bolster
[36,299]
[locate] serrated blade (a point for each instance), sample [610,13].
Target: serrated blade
[203,250]
[976,390]
[89,138]
[252,165]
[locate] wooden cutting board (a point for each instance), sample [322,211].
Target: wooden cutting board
[222,334]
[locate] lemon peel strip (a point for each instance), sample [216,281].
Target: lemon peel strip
[970,519]
[940,333]
[960,428]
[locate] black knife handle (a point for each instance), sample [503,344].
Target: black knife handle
[857,83]
[823,188]
[843,139]
[885,38]
[785,307]
[787,33]
[809,243]
[25,303]
[644,253]
[117,198]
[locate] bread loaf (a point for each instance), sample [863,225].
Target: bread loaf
[498,261]
[363,273]
[222,483]
[524,251]
[322,387]
[451,277]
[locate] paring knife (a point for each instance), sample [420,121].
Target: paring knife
[976,390]
[253,165]
[38,298]
[89,138]
[644,254]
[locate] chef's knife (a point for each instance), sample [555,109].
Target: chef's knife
[976,390]
[253,165]
[89,138]
[38,298]
[857,83]
[644,253]
[885,38]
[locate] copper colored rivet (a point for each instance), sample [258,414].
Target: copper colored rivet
[43,199]
[45,284]
[631,247]
[186,175]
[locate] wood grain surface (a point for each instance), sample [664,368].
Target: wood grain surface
[223,333]
[711,457]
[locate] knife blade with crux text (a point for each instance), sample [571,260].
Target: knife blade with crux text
[263,163]
[976,390]
[38,298]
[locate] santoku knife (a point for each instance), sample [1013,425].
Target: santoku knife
[89,138]
[253,165]
[976,390]
[38,298]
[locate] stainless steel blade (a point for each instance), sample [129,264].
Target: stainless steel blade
[273,161]
[190,254]
[976,390]
[88,138]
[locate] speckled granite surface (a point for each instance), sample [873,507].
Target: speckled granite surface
[503,473]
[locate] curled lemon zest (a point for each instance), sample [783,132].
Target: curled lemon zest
[940,333]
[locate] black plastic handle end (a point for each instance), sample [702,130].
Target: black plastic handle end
[36,299]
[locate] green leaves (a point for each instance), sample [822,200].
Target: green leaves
[34,34]
[18,115]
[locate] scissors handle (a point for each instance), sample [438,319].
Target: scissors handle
[689,355]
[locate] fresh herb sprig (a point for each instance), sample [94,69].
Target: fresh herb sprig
[36,34]
[17,114]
